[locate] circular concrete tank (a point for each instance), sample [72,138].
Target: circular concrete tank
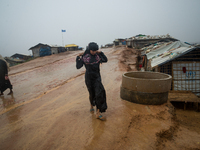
[150,88]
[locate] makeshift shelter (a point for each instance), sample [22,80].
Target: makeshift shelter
[71,47]
[57,49]
[61,49]
[41,50]
[54,49]
[109,45]
[20,56]
[80,48]
[180,60]
[140,40]
[119,42]
[14,61]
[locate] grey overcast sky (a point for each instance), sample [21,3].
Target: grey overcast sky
[25,23]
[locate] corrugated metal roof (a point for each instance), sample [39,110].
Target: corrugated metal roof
[168,52]
[166,48]
[176,56]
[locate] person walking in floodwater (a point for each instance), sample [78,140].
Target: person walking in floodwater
[4,80]
[92,58]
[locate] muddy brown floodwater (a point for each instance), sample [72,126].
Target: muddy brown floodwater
[50,110]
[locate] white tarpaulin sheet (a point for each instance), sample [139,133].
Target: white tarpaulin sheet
[188,80]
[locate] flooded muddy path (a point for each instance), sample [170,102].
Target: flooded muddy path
[50,110]
[40,76]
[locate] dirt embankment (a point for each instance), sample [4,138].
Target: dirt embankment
[165,135]
[128,58]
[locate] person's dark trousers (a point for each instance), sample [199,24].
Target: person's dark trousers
[6,85]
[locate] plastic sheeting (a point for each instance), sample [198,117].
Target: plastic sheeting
[189,80]
[161,50]
[45,51]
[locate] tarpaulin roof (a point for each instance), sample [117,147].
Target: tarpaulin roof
[71,45]
[167,53]
[39,45]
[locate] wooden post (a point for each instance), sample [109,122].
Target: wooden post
[172,77]
[185,105]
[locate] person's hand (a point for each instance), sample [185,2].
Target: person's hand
[6,78]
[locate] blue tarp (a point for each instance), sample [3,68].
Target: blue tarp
[124,42]
[45,51]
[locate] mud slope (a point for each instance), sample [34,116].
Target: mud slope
[50,110]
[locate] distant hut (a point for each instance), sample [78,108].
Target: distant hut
[14,61]
[119,42]
[71,47]
[109,45]
[20,56]
[61,49]
[80,48]
[55,49]
[41,50]
[141,40]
